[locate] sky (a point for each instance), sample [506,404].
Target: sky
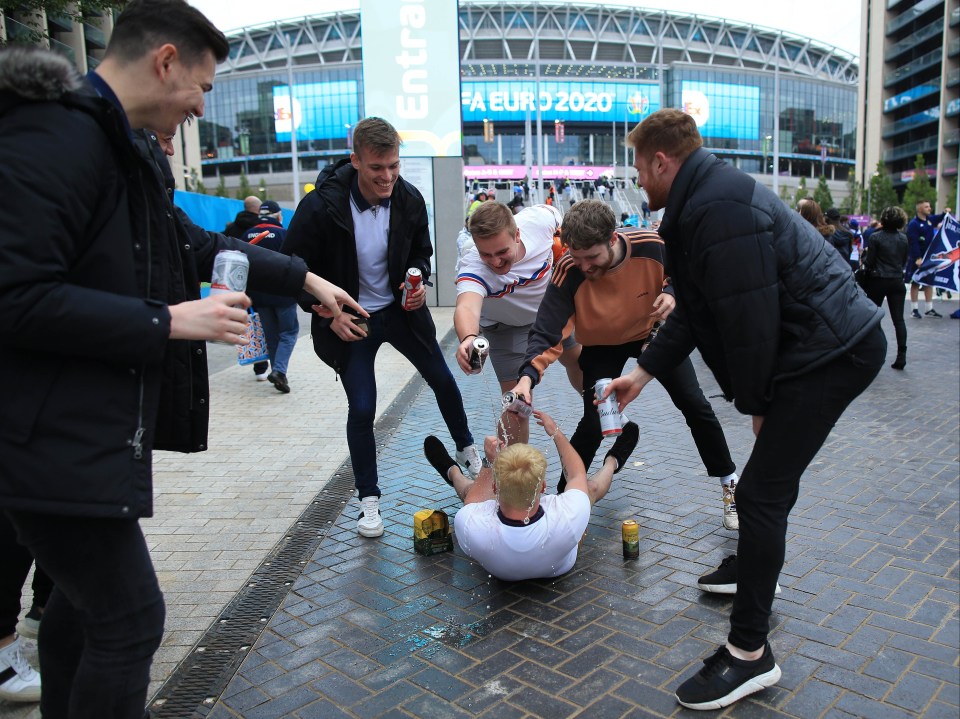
[833,22]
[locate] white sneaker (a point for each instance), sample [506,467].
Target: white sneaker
[730,519]
[469,459]
[370,524]
[263,376]
[19,682]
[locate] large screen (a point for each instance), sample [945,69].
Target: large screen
[722,110]
[319,110]
[516,100]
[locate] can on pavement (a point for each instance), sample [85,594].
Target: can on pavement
[411,284]
[630,532]
[608,409]
[478,354]
[513,403]
[230,270]
[431,532]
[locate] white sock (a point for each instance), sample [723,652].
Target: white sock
[729,479]
[914,305]
[929,306]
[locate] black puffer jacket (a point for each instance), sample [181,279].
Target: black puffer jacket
[321,232]
[759,291]
[89,254]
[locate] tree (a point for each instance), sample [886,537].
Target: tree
[221,190]
[195,183]
[853,204]
[28,13]
[919,187]
[785,195]
[801,191]
[244,190]
[881,192]
[822,195]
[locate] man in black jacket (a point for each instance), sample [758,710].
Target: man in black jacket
[245,219]
[790,338]
[100,308]
[362,228]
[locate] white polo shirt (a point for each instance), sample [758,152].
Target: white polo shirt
[511,551]
[371,230]
[513,298]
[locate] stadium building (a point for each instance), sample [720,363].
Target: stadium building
[775,104]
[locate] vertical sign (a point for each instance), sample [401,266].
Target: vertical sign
[411,72]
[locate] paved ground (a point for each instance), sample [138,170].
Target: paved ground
[867,624]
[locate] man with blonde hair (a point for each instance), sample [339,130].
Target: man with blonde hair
[507,523]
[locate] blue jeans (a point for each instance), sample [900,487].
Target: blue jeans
[104,620]
[281,329]
[389,325]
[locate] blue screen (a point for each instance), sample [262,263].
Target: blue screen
[721,110]
[325,109]
[510,100]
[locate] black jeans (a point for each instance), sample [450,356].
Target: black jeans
[15,561]
[104,619]
[801,414]
[896,293]
[681,384]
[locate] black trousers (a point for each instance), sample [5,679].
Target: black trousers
[681,383]
[799,418]
[15,562]
[104,620]
[896,294]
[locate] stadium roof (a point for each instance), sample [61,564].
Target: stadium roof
[497,38]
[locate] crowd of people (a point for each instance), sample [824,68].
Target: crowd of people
[100,302]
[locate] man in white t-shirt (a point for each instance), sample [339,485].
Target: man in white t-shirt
[500,282]
[506,523]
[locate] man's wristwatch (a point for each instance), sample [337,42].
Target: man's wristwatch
[484,462]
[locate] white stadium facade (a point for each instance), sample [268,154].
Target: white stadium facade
[777,105]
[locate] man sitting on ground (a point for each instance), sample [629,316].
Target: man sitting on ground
[507,523]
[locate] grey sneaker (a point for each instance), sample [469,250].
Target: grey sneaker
[730,519]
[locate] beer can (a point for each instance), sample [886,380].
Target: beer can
[230,270]
[412,283]
[608,409]
[516,404]
[630,532]
[478,354]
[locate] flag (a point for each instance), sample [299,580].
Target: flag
[941,263]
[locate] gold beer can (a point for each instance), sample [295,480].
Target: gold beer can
[431,532]
[630,532]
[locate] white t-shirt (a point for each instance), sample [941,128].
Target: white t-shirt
[514,298]
[547,547]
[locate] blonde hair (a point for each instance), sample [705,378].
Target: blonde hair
[520,471]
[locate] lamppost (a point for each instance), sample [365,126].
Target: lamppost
[262,190]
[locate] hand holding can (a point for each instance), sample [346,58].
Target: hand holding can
[411,284]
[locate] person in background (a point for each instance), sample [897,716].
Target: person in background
[920,233]
[245,219]
[842,238]
[278,314]
[883,264]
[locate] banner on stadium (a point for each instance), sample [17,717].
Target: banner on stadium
[941,263]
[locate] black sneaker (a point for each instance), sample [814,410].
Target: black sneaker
[279,380]
[916,315]
[933,313]
[724,679]
[624,446]
[723,580]
[438,457]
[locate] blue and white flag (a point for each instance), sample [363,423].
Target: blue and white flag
[941,263]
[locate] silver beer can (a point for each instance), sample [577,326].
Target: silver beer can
[515,404]
[478,354]
[608,409]
[230,270]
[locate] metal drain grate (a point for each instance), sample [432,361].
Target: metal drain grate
[199,680]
